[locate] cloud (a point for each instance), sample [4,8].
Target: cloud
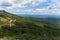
[19,3]
[5,4]
[53,8]
[30,6]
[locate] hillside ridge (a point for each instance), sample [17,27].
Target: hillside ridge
[13,27]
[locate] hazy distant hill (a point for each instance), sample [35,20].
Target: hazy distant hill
[14,27]
[45,18]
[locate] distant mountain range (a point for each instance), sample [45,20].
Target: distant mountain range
[44,17]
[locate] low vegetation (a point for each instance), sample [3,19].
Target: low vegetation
[13,27]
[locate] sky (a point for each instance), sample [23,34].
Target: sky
[31,6]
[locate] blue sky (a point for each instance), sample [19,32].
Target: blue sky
[31,6]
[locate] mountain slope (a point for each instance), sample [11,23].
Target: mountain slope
[14,27]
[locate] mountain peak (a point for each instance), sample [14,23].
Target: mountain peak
[2,10]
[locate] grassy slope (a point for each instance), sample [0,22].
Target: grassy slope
[25,29]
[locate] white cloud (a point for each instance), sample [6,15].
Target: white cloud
[13,4]
[19,3]
[54,8]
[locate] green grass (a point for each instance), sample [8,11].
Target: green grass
[14,27]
